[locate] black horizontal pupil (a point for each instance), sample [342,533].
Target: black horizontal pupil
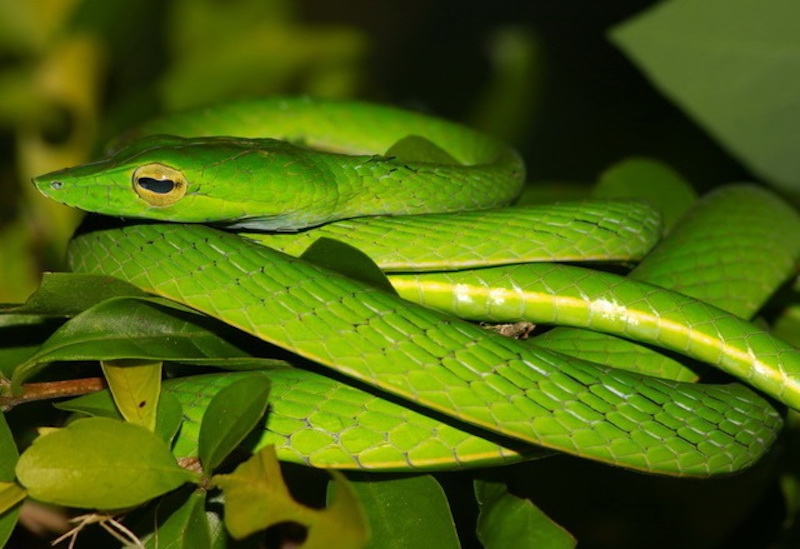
[158,186]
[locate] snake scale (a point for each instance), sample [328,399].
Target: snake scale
[428,200]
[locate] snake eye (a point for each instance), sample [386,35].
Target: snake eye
[159,185]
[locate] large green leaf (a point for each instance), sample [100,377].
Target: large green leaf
[392,505]
[129,328]
[99,463]
[67,294]
[732,65]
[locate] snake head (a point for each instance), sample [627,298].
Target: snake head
[255,183]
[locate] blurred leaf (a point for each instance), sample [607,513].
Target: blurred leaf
[256,498]
[253,50]
[734,66]
[18,269]
[30,25]
[229,417]
[135,386]
[348,261]
[99,463]
[129,328]
[185,526]
[649,180]
[67,294]
[508,521]
[506,106]
[100,404]
[393,504]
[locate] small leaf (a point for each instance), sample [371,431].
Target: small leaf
[230,416]
[181,522]
[348,261]
[135,386]
[391,504]
[508,521]
[256,498]
[414,148]
[99,463]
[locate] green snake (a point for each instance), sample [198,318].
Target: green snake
[427,200]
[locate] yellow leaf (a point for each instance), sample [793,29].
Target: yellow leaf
[256,498]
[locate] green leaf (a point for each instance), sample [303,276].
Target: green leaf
[100,404]
[392,504]
[11,494]
[9,510]
[230,416]
[135,386]
[129,328]
[347,260]
[181,521]
[649,180]
[733,66]
[67,294]
[8,451]
[256,498]
[414,148]
[508,521]
[99,463]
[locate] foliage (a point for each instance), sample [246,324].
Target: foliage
[84,70]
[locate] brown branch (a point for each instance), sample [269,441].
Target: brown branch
[53,389]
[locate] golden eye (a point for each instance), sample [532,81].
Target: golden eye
[159,185]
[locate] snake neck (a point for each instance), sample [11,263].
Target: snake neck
[379,185]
